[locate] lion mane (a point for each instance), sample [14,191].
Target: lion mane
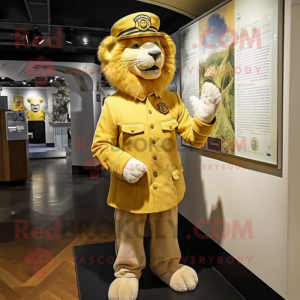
[117,72]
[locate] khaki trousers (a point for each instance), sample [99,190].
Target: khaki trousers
[164,248]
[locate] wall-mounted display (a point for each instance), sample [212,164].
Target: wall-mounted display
[16,126]
[237,47]
[18,103]
[35,114]
[17,98]
[34,102]
[61,105]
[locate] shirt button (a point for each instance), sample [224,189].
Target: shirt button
[170,127]
[153,142]
[150,112]
[152,126]
[155,186]
[132,130]
[155,157]
[155,174]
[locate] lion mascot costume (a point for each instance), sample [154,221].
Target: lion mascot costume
[135,140]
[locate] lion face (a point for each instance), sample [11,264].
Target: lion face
[138,66]
[35,107]
[147,59]
[18,101]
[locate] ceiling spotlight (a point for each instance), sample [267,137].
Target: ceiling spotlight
[38,35]
[70,36]
[85,40]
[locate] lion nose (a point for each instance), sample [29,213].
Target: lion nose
[154,53]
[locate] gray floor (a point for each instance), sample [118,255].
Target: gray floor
[52,192]
[42,151]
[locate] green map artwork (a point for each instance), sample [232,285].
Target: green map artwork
[216,65]
[219,69]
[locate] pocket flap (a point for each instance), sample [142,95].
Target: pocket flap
[133,128]
[175,174]
[169,125]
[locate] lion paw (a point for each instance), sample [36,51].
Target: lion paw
[124,289]
[181,278]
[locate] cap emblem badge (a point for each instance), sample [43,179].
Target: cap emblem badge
[142,22]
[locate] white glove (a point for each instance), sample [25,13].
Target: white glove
[134,170]
[207,106]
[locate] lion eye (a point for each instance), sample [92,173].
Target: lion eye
[135,46]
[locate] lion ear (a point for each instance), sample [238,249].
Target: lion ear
[105,48]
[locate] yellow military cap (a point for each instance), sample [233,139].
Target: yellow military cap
[35,100]
[137,25]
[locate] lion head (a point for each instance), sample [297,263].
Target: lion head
[18,103]
[138,66]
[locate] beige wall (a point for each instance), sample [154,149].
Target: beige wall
[244,194]
[294,160]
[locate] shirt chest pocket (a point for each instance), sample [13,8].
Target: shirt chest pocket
[131,134]
[168,126]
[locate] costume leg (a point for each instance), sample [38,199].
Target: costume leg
[164,249]
[130,255]
[165,253]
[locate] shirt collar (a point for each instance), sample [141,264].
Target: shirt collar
[156,95]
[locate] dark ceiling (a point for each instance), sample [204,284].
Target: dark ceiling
[103,14]
[88,18]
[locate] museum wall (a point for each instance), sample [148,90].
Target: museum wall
[83,114]
[26,93]
[219,191]
[83,124]
[293,155]
[49,129]
[44,93]
[82,83]
[83,80]
[46,106]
